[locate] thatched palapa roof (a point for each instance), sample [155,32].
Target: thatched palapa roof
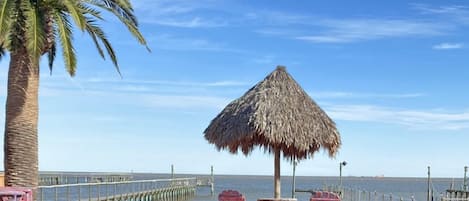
[275,113]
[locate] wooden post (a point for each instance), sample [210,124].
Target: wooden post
[172,171]
[465,179]
[212,183]
[293,180]
[277,173]
[428,185]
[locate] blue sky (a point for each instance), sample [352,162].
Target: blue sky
[393,75]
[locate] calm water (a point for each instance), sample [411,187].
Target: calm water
[254,187]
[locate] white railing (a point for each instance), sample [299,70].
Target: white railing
[103,190]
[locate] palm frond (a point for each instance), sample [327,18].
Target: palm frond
[6,7]
[97,33]
[92,32]
[90,11]
[124,12]
[123,7]
[51,57]
[5,13]
[2,51]
[73,8]
[64,30]
[134,31]
[35,35]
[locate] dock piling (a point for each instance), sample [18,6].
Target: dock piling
[428,185]
[465,179]
[212,182]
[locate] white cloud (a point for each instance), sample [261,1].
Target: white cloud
[325,39]
[184,102]
[448,9]
[168,7]
[318,29]
[170,42]
[177,13]
[352,30]
[416,119]
[447,46]
[273,32]
[264,59]
[222,83]
[276,18]
[338,94]
[457,13]
[192,22]
[144,96]
[161,94]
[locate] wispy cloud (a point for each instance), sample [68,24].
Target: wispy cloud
[447,9]
[151,94]
[352,30]
[224,83]
[415,119]
[170,42]
[317,29]
[448,46]
[275,32]
[333,94]
[184,102]
[192,22]
[454,12]
[266,17]
[178,13]
[166,7]
[264,59]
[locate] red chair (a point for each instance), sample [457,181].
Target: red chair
[324,196]
[16,194]
[231,195]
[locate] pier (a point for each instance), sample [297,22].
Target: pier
[51,178]
[143,190]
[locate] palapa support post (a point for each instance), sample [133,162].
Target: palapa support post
[277,173]
[293,185]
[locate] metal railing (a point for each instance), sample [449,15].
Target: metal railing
[351,194]
[103,190]
[454,199]
[47,179]
[204,181]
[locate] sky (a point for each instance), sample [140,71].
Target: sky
[393,75]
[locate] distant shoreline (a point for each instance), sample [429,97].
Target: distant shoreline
[71,173]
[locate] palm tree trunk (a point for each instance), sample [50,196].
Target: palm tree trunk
[21,144]
[277,173]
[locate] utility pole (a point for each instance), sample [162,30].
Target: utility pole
[340,176]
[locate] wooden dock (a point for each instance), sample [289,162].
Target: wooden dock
[171,193]
[53,178]
[143,190]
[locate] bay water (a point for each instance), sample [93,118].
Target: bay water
[254,187]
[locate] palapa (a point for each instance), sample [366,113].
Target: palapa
[279,116]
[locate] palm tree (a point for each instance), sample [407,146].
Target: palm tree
[30,29]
